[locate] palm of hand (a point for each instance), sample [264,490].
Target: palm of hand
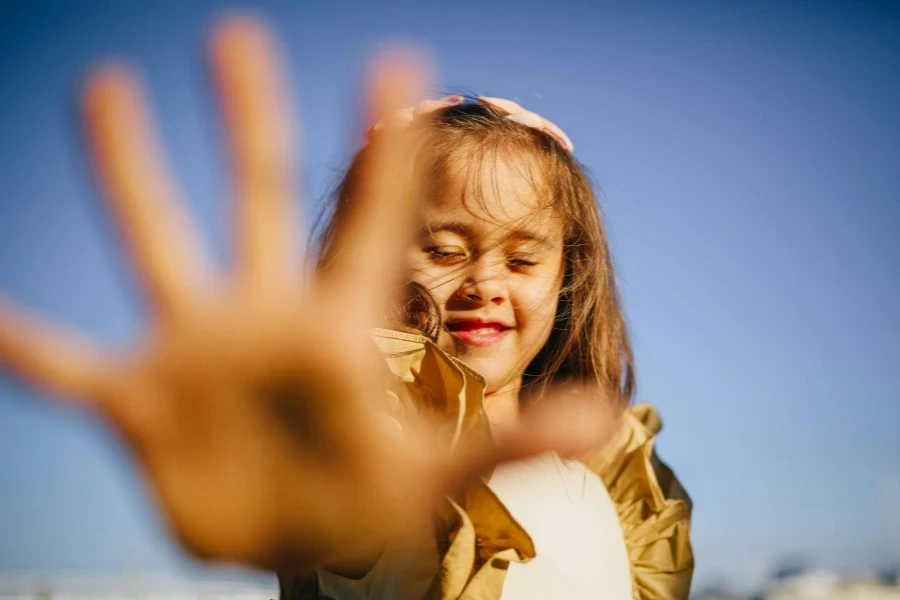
[255,435]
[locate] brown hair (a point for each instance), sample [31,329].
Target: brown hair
[589,341]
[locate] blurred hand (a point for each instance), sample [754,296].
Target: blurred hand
[254,401]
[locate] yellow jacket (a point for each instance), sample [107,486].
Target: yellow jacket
[479,536]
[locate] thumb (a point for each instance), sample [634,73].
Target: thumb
[570,420]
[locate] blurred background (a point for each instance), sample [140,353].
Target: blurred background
[749,158]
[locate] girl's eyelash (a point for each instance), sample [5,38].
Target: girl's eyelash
[447,253]
[522,262]
[441,252]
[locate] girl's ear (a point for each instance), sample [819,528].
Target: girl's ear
[417,309]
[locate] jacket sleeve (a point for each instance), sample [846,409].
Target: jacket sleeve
[653,507]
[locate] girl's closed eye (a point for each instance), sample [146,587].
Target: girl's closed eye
[522,262]
[446,254]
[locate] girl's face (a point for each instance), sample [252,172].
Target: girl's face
[494,264]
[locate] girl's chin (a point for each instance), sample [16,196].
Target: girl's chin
[496,376]
[482,359]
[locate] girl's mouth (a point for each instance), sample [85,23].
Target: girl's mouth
[474,332]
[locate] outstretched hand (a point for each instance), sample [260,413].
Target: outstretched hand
[253,402]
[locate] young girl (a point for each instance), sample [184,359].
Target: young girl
[514,278]
[270,433]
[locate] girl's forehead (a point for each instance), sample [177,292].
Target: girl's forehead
[500,194]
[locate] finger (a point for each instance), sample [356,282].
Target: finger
[169,260]
[374,235]
[569,422]
[53,359]
[251,87]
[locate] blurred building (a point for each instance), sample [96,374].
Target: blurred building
[128,587]
[815,584]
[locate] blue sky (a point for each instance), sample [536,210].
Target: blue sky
[749,156]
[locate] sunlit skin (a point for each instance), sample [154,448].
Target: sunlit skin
[493,261]
[253,403]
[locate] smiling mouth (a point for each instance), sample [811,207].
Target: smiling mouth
[477,333]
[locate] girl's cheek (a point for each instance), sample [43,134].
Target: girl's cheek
[537,303]
[542,290]
[438,283]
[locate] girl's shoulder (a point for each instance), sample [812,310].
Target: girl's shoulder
[653,507]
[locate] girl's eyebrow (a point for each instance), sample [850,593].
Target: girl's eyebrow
[460,229]
[526,235]
[464,231]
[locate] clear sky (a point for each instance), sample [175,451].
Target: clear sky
[749,156]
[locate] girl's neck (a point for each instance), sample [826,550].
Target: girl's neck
[502,406]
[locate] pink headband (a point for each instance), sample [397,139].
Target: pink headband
[510,109]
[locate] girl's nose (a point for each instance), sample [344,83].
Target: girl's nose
[483,285]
